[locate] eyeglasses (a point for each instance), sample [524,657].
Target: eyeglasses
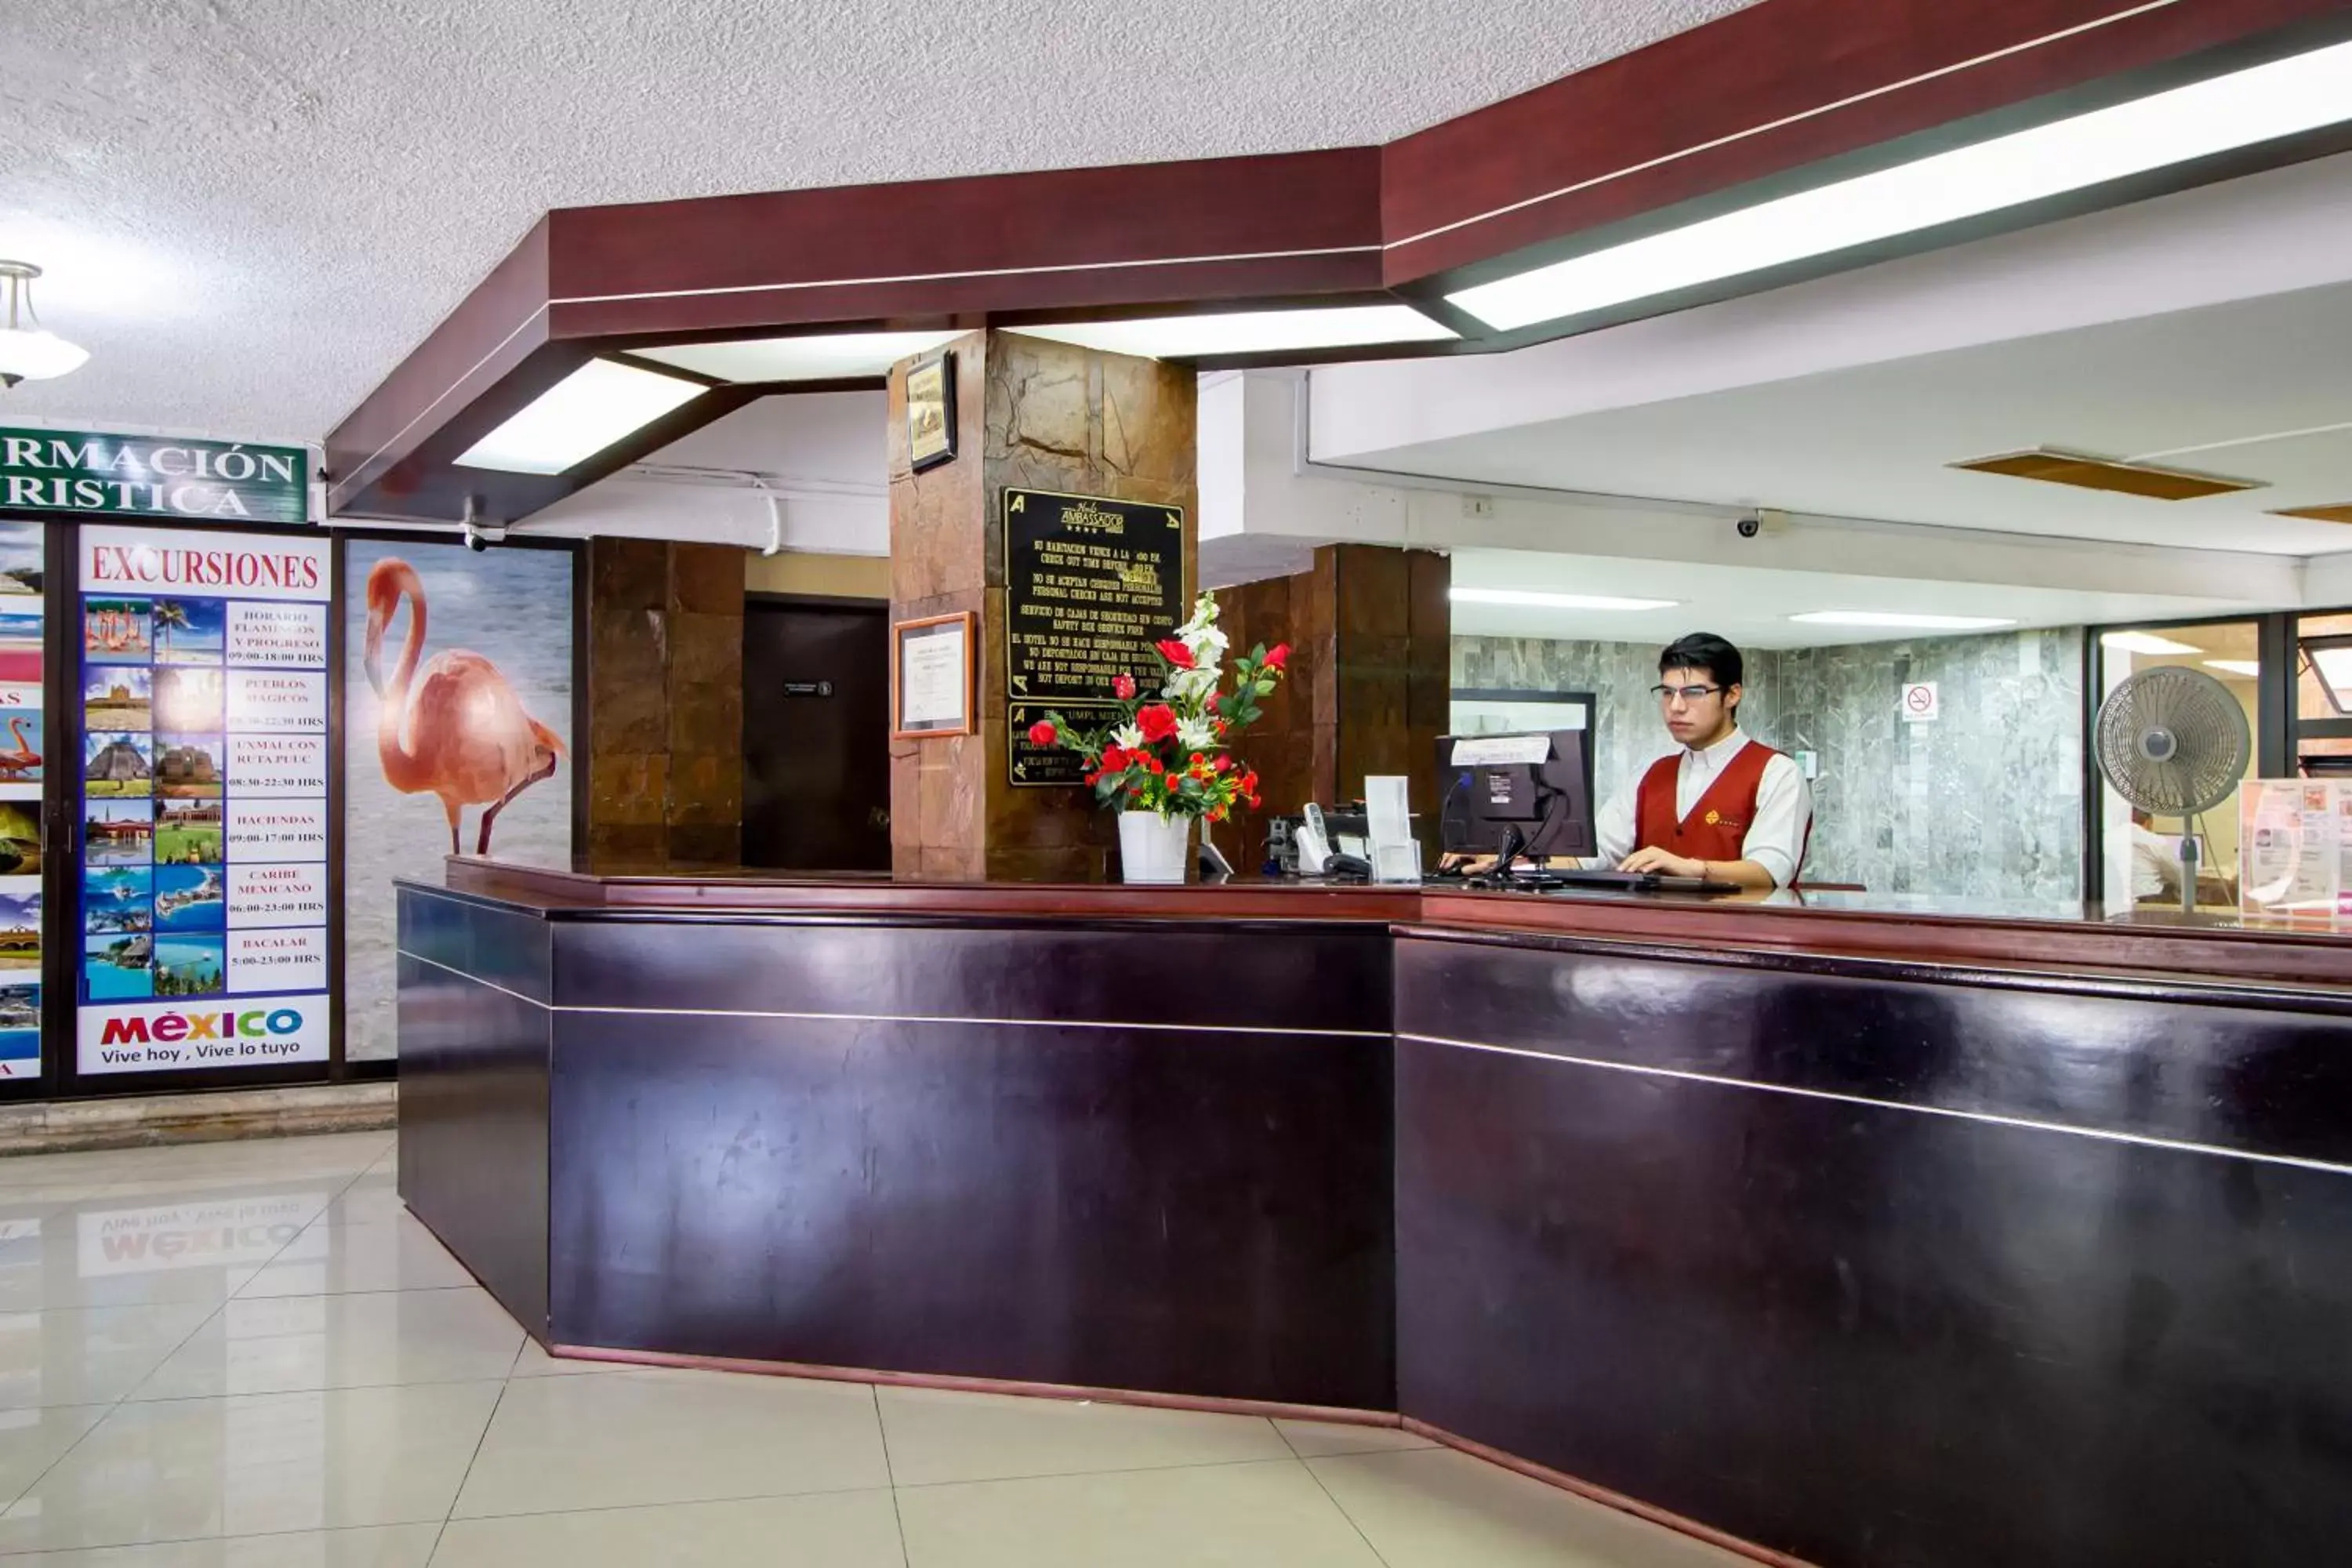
[1687,693]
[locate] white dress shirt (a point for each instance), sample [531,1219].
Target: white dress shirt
[1776,838]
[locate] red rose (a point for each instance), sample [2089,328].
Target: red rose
[1278,656]
[1041,734]
[1113,758]
[1175,653]
[1123,686]
[1157,722]
[1223,763]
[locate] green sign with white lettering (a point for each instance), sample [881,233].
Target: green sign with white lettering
[152,476]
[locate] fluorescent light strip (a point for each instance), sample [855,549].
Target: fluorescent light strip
[2248,667]
[1555,601]
[2145,642]
[826,356]
[579,417]
[1247,331]
[1901,618]
[2258,104]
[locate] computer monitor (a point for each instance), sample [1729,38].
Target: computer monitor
[1540,783]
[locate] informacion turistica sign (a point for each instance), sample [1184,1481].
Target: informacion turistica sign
[203,937]
[143,476]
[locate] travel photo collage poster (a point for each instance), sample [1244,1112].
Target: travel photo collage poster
[21,745]
[204,800]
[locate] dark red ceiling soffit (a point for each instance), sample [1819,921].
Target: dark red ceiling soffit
[1783,93]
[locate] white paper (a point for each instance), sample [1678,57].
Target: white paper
[279,634]
[293,958]
[277,830]
[1385,810]
[279,700]
[261,766]
[1472,751]
[931,680]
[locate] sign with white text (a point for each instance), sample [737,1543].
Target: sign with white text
[143,476]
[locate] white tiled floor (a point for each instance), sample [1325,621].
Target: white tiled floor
[249,1356]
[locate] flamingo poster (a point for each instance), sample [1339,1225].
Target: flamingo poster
[457,735]
[203,919]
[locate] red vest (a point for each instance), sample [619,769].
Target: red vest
[1716,827]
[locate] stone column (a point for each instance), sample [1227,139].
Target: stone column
[1041,416]
[1371,681]
[664,684]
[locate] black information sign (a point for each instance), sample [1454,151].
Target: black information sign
[1089,586]
[1056,766]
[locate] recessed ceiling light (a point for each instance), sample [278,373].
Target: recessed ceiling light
[2239,109]
[579,417]
[2145,642]
[2245,666]
[827,356]
[1247,331]
[1555,601]
[1902,618]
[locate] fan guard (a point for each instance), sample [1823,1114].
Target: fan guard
[2173,741]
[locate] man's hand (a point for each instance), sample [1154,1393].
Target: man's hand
[1657,861]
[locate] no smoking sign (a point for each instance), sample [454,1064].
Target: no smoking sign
[1921,705]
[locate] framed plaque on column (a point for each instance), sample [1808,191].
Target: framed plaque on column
[932,670]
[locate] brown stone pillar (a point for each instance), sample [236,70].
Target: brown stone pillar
[665,701]
[1370,630]
[1042,415]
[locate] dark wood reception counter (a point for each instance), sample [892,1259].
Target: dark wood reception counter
[1846,1233]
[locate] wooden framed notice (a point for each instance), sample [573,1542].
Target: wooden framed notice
[932,670]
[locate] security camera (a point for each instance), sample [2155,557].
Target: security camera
[475,539]
[1748,527]
[1762,523]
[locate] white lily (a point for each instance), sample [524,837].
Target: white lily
[1128,738]
[1195,735]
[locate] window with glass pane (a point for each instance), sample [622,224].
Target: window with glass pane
[2142,855]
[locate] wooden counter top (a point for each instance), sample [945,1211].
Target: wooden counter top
[1952,933]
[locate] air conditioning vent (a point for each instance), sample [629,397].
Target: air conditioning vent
[2111,474]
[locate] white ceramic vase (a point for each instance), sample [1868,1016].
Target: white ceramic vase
[1152,848]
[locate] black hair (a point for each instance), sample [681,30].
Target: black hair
[1706,651]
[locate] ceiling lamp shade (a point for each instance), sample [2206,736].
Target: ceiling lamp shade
[28,352]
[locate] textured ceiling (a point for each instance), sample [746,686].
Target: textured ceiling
[251,209]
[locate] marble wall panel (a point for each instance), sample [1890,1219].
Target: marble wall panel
[1984,802]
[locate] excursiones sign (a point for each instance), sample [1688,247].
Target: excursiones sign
[140,476]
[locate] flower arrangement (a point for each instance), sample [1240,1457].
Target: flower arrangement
[1167,751]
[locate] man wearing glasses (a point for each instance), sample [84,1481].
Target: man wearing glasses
[1724,807]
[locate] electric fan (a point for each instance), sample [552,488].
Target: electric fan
[2173,741]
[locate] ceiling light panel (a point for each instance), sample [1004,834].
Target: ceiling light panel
[2248,667]
[2340,513]
[1903,619]
[828,356]
[2263,104]
[1247,331]
[1535,600]
[2145,642]
[2056,467]
[579,417]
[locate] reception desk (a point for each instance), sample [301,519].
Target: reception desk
[1847,1234]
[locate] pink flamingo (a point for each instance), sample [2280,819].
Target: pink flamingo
[24,758]
[462,734]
